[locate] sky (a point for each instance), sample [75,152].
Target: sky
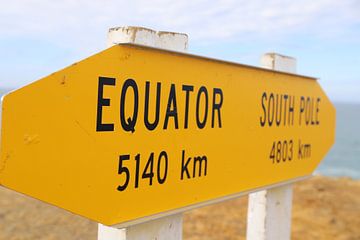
[38,37]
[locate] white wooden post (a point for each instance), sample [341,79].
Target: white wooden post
[269,211]
[166,228]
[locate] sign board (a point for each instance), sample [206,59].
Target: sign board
[133,133]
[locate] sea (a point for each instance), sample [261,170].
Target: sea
[344,157]
[343,160]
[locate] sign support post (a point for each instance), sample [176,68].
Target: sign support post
[166,228]
[269,211]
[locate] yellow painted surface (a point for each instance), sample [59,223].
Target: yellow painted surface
[51,149]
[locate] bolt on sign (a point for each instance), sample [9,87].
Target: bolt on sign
[133,133]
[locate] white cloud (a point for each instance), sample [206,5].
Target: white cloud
[204,20]
[79,28]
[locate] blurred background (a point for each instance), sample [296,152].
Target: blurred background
[38,37]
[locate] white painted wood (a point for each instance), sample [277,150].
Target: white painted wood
[206,203]
[163,228]
[278,62]
[136,35]
[110,233]
[144,36]
[166,228]
[269,211]
[269,214]
[172,41]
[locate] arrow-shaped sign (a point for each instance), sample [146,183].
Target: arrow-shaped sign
[133,133]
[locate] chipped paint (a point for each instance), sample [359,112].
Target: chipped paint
[145,36]
[63,80]
[3,163]
[31,139]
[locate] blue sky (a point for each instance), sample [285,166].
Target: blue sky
[38,37]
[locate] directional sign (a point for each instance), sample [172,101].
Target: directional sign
[133,133]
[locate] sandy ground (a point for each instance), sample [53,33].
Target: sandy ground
[324,208]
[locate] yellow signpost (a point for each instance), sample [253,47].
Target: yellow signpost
[133,133]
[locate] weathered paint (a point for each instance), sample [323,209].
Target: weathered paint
[148,37]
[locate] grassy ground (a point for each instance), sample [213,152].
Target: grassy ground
[324,208]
